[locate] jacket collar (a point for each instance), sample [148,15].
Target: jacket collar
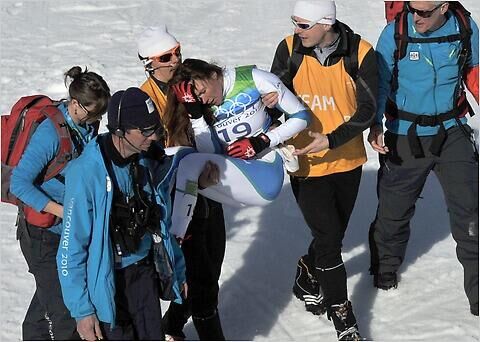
[344,44]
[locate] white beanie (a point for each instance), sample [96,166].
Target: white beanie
[154,41]
[319,11]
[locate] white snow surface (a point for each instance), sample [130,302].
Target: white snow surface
[40,40]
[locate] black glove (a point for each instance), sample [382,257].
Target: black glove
[247,148]
[184,93]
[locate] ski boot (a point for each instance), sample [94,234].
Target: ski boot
[385,280]
[344,321]
[307,289]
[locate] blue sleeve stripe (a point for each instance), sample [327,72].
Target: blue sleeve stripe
[302,115]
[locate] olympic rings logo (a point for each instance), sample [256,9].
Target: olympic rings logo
[231,107]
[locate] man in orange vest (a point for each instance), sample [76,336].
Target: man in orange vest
[336,76]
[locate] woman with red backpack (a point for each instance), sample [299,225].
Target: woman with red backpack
[47,317]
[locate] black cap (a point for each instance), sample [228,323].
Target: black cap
[137,110]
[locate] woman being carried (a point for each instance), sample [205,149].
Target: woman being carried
[233,130]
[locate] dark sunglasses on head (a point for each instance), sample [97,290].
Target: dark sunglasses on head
[305,25]
[148,132]
[423,14]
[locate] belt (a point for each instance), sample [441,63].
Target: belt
[145,261]
[427,121]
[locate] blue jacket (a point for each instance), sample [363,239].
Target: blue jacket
[85,259]
[42,148]
[426,85]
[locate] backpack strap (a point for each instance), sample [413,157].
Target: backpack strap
[350,61]
[64,153]
[457,112]
[401,42]
[295,58]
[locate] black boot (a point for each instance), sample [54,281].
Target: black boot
[385,280]
[174,320]
[373,249]
[344,321]
[209,328]
[474,309]
[307,289]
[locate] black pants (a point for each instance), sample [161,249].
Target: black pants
[400,182]
[138,311]
[47,317]
[204,250]
[326,203]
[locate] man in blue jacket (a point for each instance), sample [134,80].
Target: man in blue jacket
[422,99]
[117,217]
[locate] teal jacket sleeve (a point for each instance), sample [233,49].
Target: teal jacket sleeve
[473,58]
[73,250]
[41,149]
[385,61]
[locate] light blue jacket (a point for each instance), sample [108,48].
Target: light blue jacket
[42,148]
[427,76]
[85,259]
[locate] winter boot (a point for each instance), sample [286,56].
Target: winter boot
[344,321]
[474,309]
[385,280]
[169,338]
[174,320]
[307,289]
[209,328]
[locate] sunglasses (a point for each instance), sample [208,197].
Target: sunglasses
[167,56]
[304,25]
[148,132]
[91,115]
[423,14]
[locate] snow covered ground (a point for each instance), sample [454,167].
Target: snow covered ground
[40,40]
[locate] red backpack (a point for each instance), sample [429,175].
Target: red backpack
[392,8]
[17,129]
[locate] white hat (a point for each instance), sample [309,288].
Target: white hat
[319,11]
[154,41]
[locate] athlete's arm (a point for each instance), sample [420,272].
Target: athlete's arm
[297,117]
[206,140]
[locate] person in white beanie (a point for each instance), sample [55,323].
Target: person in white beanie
[321,12]
[204,248]
[160,53]
[334,71]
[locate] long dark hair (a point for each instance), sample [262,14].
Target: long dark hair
[176,118]
[88,88]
